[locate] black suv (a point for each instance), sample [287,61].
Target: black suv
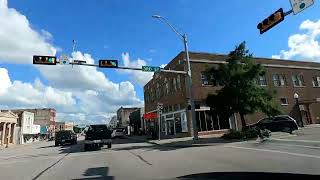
[282,123]
[65,137]
[97,136]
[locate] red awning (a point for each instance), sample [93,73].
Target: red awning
[150,116]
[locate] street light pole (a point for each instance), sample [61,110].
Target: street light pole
[296,96]
[189,76]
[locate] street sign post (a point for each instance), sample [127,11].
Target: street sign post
[150,68]
[300,5]
[159,108]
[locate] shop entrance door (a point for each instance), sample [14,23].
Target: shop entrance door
[170,126]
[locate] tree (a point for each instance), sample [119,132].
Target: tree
[240,92]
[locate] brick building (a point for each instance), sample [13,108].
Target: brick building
[45,117]
[285,76]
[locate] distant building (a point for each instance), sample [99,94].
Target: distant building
[8,122]
[45,117]
[113,122]
[123,116]
[61,126]
[28,130]
[137,121]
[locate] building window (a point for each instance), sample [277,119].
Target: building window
[262,81]
[178,82]
[174,84]
[167,85]
[207,80]
[158,91]
[316,81]
[284,101]
[279,80]
[298,80]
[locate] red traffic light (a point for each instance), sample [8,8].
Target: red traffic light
[271,21]
[108,63]
[45,60]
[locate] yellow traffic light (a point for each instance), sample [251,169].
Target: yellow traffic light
[108,63]
[271,21]
[45,60]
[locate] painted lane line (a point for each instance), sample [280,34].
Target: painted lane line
[296,140]
[296,145]
[275,151]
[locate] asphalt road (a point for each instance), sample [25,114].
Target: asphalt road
[129,159]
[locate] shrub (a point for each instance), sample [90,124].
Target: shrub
[250,133]
[232,134]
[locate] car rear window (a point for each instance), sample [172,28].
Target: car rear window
[98,128]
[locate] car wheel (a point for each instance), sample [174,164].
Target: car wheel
[109,146]
[287,130]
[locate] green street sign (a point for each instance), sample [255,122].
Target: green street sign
[150,68]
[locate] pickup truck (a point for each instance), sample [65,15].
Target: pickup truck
[97,136]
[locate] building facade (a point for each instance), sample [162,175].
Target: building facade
[285,76]
[45,117]
[29,131]
[123,116]
[8,122]
[64,126]
[113,122]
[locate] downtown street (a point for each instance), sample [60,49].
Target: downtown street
[131,158]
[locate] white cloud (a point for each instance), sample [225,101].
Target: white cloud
[18,41]
[80,93]
[303,46]
[19,94]
[137,76]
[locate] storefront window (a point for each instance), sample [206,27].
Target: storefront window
[177,119]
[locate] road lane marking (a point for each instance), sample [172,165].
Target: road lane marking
[141,158]
[276,151]
[296,140]
[296,145]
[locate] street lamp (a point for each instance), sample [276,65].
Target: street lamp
[296,96]
[189,77]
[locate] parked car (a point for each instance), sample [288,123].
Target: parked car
[282,123]
[118,132]
[65,137]
[97,136]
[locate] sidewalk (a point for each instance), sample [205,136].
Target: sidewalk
[205,140]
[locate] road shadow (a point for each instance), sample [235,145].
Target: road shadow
[44,147]
[247,176]
[97,173]
[201,142]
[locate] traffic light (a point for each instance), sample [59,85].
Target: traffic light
[108,63]
[271,21]
[46,60]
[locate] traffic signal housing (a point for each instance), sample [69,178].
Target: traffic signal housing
[271,21]
[108,63]
[45,60]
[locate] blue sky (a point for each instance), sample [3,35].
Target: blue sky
[109,28]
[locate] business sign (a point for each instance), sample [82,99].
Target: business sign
[300,5]
[150,116]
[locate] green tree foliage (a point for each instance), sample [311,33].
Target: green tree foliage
[240,92]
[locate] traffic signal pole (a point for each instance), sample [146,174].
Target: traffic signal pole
[129,68]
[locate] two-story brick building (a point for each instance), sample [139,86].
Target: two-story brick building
[285,76]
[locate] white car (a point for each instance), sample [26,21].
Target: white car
[118,133]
